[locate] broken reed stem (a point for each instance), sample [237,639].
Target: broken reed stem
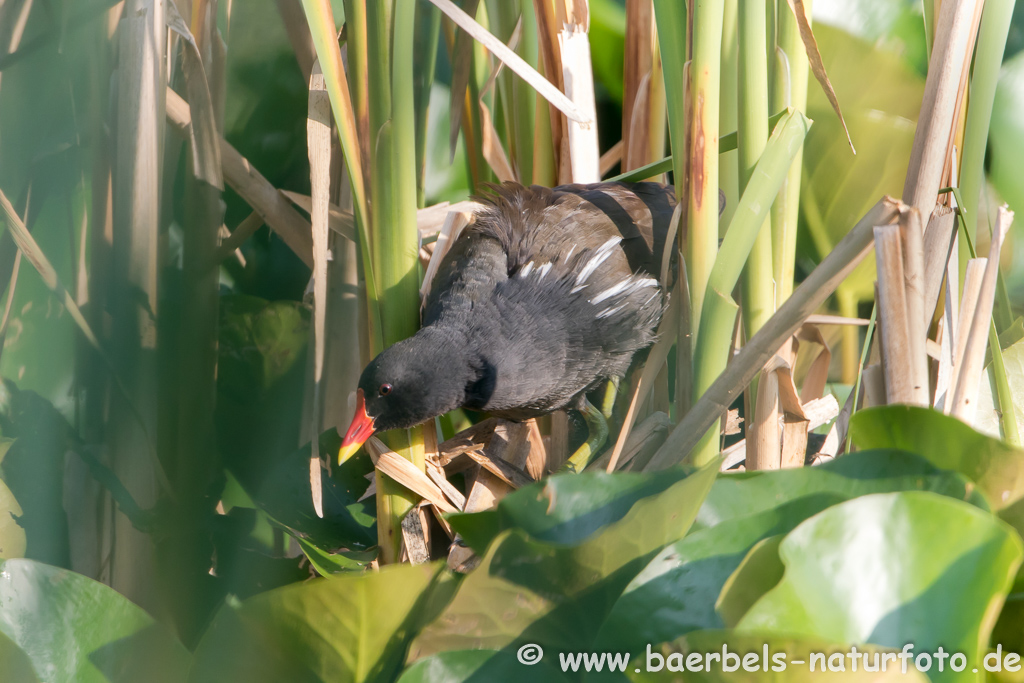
[968,375]
[938,245]
[918,320]
[763,436]
[892,301]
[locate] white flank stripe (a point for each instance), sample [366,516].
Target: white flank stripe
[613,290]
[609,312]
[543,270]
[600,256]
[525,270]
[627,286]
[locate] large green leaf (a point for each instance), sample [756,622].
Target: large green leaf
[15,666]
[1006,134]
[995,466]
[987,417]
[565,508]
[677,591]
[788,659]
[481,666]
[881,97]
[871,571]
[75,629]
[758,573]
[531,591]
[338,629]
[876,471]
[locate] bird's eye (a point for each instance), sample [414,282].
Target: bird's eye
[385,389]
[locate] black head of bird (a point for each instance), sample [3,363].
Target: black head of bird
[549,293]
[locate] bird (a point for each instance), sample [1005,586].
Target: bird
[548,294]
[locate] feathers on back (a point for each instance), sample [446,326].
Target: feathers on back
[555,289]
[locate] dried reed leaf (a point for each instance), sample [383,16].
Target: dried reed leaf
[450,231]
[513,476]
[638,62]
[490,147]
[462,62]
[817,375]
[610,158]
[318,144]
[817,66]
[256,190]
[236,238]
[510,443]
[436,474]
[405,473]
[295,26]
[205,139]
[639,127]
[511,59]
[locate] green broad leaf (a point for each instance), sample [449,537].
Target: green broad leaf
[758,573]
[677,591]
[995,466]
[12,535]
[986,418]
[339,629]
[871,571]
[327,563]
[765,657]
[259,342]
[347,524]
[75,629]
[565,508]
[875,471]
[881,98]
[1006,138]
[531,591]
[15,666]
[482,665]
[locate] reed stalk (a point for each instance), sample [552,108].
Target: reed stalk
[752,135]
[702,176]
[789,89]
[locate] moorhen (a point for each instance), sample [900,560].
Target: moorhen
[548,294]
